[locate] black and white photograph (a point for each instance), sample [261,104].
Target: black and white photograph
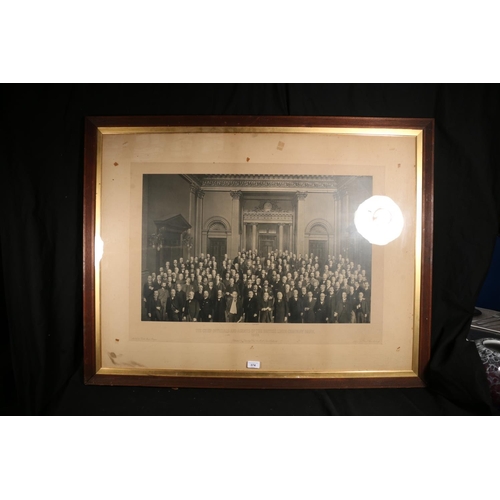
[255,249]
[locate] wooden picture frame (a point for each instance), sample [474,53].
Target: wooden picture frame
[158,187]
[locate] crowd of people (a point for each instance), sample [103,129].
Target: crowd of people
[279,288]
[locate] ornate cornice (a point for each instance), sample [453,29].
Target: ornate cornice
[235,195]
[271,181]
[276,217]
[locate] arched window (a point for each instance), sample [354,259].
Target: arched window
[217,230]
[217,227]
[319,239]
[318,230]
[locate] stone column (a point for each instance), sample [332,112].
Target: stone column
[254,236]
[300,197]
[290,238]
[280,237]
[192,205]
[345,224]
[336,235]
[199,222]
[192,217]
[235,224]
[244,243]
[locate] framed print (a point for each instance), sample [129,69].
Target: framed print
[226,251]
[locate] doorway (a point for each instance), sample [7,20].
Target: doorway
[217,247]
[267,243]
[319,248]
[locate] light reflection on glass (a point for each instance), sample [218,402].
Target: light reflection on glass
[379,219]
[99,249]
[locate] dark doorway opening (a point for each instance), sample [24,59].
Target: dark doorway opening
[319,248]
[217,247]
[267,244]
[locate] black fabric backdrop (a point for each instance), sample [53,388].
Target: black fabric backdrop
[41,242]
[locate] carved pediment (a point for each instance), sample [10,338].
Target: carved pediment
[173,223]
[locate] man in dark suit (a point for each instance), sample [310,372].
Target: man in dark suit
[367,293]
[321,309]
[234,308]
[332,304]
[361,309]
[250,308]
[199,293]
[155,307]
[206,308]
[295,308]
[163,296]
[191,308]
[266,307]
[174,308]
[280,309]
[343,312]
[309,304]
[219,307]
[212,292]
[147,296]
[180,294]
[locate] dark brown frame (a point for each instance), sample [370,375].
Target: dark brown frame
[92,124]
